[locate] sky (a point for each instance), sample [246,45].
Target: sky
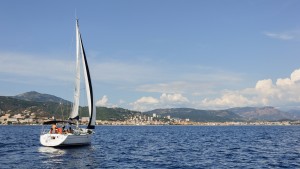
[143,55]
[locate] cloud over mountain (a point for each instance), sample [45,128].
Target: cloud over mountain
[165,100]
[284,92]
[103,101]
[190,87]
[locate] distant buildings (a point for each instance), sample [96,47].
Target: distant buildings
[27,117]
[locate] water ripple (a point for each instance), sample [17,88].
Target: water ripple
[158,147]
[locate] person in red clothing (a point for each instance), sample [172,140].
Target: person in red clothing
[59,130]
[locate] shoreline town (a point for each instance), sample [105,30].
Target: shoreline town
[138,120]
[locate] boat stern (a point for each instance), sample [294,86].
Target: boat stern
[52,140]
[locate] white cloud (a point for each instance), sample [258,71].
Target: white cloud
[229,99]
[103,101]
[144,103]
[266,87]
[147,100]
[37,67]
[122,75]
[288,35]
[284,82]
[33,68]
[282,36]
[171,98]
[196,81]
[295,76]
[176,87]
[165,100]
[283,93]
[122,72]
[265,93]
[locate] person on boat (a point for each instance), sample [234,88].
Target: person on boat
[70,130]
[53,129]
[59,130]
[63,129]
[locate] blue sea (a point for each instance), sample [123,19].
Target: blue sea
[158,147]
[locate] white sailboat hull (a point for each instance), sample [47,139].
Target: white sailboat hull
[56,140]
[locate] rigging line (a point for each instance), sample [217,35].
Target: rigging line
[62,109]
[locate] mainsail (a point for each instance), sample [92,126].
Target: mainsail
[88,83]
[74,113]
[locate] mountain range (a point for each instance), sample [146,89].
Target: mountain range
[233,114]
[49,105]
[45,105]
[38,97]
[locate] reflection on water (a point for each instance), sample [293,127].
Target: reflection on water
[68,157]
[51,151]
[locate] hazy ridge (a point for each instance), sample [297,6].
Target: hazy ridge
[49,105]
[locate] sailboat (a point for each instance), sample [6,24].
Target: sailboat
[59,135]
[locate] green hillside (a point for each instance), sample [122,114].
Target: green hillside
[111,114]
[58,110]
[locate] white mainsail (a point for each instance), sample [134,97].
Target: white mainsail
[88,83]
[74,113]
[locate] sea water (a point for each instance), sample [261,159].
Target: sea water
[158,147]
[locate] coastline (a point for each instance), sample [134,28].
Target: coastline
[124,123]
